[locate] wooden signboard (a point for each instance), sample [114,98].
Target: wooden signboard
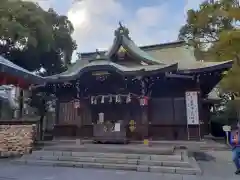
[192,107]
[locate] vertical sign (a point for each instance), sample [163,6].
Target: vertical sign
[192,107]
[101,118]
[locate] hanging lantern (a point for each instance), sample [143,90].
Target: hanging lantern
[144,101]
[92,100]
[141,101]
[118,99]
[54,88]
[76,104]
[110,99]
[128,100]
[102,100]
[50,106]
[95,100]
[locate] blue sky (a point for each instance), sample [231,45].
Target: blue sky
[149,21]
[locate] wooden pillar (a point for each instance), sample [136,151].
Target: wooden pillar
[57,112]
[200,109]
[145,122]
[206,118]
[144,109]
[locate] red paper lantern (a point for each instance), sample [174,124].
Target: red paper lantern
[144,101]
[76,104]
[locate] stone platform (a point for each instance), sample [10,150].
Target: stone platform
[207,144]
[118,157]
[111,148]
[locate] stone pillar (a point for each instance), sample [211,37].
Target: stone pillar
[16,93]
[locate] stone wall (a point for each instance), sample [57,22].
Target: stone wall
[16,140]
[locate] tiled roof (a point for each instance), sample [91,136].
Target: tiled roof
[7,66]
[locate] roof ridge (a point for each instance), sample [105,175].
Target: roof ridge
[122,39]
[145,47]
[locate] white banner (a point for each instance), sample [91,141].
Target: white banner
[192,107]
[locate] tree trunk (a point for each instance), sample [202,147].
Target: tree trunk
[42,113]
[237,106]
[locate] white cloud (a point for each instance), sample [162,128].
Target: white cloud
[151,15]
[95,22]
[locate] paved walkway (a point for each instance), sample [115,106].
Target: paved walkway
[219,169]
[56,173]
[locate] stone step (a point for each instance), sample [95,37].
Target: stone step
[132,167]
[128,149]
[41,153]
[116,160]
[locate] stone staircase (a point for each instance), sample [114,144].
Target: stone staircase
[172,162]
